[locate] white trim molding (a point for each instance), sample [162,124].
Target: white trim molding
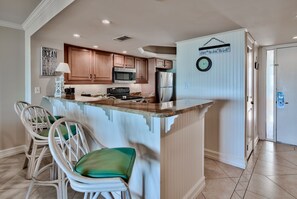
[45,11]
[12,151]
[196,189]
[8,24]
[228,159]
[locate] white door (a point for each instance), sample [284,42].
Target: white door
[286,87]
[250,97]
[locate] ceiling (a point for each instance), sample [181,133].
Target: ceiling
[16,11]
[163,22]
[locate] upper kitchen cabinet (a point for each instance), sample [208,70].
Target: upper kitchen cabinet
[123,61]
[163,64]
[141,70]
[102,70]
[87,66]
[80,63]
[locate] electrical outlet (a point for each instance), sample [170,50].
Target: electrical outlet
[37,90]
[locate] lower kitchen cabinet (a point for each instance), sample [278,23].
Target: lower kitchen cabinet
[141,66]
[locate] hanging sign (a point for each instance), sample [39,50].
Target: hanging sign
[222,47]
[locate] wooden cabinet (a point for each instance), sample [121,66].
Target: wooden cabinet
[141,66]
[87,66]
[123,61]
[80,62]
[102,70]
[168,64]
[164,64]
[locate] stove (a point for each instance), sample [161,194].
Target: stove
[122,93]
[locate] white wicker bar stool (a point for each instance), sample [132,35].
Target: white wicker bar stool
[18,107]
[91,172]
[37,121]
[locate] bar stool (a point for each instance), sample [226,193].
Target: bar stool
[37,121]
[18,107]
[91,172]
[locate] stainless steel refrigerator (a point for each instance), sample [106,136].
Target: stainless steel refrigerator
[164,86]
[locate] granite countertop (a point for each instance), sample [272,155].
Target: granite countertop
[165,109]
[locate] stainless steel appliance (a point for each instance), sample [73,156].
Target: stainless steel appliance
[124,75]
[164,86]
[122,93]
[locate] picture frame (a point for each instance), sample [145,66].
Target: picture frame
[49,61]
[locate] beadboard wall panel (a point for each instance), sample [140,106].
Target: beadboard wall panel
[224,83]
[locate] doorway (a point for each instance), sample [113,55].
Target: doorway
[281,125]
[250,97]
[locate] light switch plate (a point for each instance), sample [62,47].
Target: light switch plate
[37,90]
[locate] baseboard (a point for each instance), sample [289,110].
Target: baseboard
[256,140]
[228,159]
[196,189]
[12,151]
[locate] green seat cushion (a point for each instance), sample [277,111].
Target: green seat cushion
[52,120]
[107,163]
[63,131]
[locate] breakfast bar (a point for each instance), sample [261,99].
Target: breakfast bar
[168,138]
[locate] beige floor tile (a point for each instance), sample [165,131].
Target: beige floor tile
[287,182]
[251,195]
[241,186]
[245,178]
[219,188]
[231,171]
[290,156]
[200,196]
[212,170]
[277,147]
[235,196]
[268,168]
[240,193]
[235,180]
[277,159]
[263,186]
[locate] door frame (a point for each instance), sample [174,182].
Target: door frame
[249,41]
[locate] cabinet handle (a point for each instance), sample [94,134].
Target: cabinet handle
[90,76]
[94,76]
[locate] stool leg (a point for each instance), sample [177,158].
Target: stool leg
[28,152]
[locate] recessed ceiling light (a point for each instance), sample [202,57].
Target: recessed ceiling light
[295,37]
[124,51]
[95,46]
[76,35]
[105,21]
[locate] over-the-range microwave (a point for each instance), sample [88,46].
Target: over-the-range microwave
[124,75]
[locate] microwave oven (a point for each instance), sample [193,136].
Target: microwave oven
[124,75]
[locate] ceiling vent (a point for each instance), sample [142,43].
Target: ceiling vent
[122,38]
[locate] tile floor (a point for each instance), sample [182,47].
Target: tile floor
[271,173]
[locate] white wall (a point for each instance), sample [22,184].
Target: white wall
[47,84]
[12,86]
[224,83]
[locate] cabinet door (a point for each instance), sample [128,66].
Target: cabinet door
[102,69]
[159,63]
[141,70]
[168,64]
[118,60]
[129,62]
[80,63]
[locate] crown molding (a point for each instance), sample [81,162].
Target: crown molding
[45,11]
[8,24]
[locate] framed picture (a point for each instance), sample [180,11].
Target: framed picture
[49,61]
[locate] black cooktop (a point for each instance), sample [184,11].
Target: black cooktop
[122,93]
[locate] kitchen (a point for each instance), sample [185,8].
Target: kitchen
[51,36]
